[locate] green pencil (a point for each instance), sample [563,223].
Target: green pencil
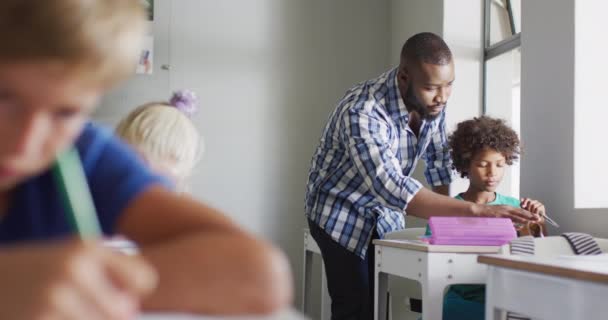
[76,195]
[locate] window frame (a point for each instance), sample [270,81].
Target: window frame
[493,50]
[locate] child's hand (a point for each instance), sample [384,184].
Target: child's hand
[517,215]
[533,206]
[71,280]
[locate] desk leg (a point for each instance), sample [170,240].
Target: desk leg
[432,300]
[325,299]
[380,292]
[306,287]
[492,313]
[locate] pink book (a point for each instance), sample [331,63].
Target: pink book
[471,231]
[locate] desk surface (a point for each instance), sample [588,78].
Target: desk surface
[418,245]
[587,268]
[286,315]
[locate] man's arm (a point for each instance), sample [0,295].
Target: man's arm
[205,262]
[442,189]
[427,203]
[369,145]
[369,142]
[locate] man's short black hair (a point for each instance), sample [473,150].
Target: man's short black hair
[426,47]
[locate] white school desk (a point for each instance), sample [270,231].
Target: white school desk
[311,248]
[433,266]
[286,315]
[557,288]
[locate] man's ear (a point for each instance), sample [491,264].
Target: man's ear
[403,75]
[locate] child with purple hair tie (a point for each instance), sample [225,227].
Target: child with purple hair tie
[164,135]
[185,101]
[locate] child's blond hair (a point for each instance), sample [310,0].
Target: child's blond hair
[162,132]
[98,39]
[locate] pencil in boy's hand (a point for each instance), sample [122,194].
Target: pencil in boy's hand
[74,189]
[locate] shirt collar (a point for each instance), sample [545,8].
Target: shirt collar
[395,105]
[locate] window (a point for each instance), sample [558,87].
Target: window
[505,19]
[502,72]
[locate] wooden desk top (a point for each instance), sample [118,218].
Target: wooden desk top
[418,245]
[587,268]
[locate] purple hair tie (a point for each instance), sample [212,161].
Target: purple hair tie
[186,101]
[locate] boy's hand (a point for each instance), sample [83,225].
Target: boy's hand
[517,215]
[71,280]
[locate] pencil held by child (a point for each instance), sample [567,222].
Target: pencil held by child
[76,195]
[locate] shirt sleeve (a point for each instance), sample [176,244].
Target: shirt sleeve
[116,175]
[368,139]
[437,156]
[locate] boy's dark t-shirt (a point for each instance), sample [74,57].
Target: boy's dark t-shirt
[115,175]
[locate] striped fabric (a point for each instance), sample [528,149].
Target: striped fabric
[581,243]
[523,246]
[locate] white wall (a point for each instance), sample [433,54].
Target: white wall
[503,82]
[503,102]
[140,89]
[548,113]
[462,30]
[408,17]
[268,73]
[590,113]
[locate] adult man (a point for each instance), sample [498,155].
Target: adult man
[359,185]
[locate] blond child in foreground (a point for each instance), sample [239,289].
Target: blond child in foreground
[56,59]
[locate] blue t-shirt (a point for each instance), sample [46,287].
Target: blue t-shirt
[115,176]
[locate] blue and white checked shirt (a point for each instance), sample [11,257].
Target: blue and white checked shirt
[360,172]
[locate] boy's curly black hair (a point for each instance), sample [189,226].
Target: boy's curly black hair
[477,134]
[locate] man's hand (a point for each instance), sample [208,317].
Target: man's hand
[517,215]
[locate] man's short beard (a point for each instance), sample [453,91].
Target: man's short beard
[413,102]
